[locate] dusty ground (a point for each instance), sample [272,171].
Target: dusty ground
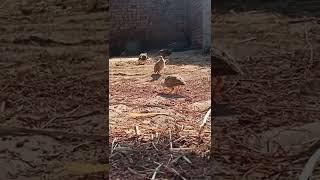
[133,90]
[276,98]
[52,78]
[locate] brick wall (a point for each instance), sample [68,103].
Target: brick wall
[195,18]
[155,23]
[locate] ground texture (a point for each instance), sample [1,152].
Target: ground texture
[52,90]
[173,139]
[276,98]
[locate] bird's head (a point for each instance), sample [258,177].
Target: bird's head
[161,58]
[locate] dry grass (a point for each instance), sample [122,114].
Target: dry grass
[275,63]
[172,137]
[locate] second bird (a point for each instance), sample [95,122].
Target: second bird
[159,66]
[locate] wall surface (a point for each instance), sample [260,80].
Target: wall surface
[195,18]
[154,21]
[154,24]
[206,24]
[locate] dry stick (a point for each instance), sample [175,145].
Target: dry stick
[136,129]
[180,149]
[300,21]
[247,40]
[154,146]
[112,144]
[309,167]
[18,131]
[176,172]
[186,159]
[205,118]
[73,117]
[155,171]
[170,138]
[136,173]
[67,114]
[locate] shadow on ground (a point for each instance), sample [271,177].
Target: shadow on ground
[155,77]
[171,96]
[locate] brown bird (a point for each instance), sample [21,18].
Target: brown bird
[143,57]
[172,82]
[165,52]
[159,66]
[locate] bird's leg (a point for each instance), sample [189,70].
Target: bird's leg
[177,89]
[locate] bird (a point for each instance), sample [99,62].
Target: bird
[173,81]
[159,66]
[143,57]
[165,52]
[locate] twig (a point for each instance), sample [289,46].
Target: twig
[155,172]
[300,21]
[136,130]
[79,145]
[176,159]
[154,146]
[112,145]
[309,166]
[176,172]
[123,149]
[247,40]
[170,138]
[136,173]
[72,117]
[205,118]
[180,149]
[186,159]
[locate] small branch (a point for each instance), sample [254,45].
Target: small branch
[247,40]
[309,167]
[155,172]
[205,118]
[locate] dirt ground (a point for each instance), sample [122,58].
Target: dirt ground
[52,90]
[136,155]
[277,102]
